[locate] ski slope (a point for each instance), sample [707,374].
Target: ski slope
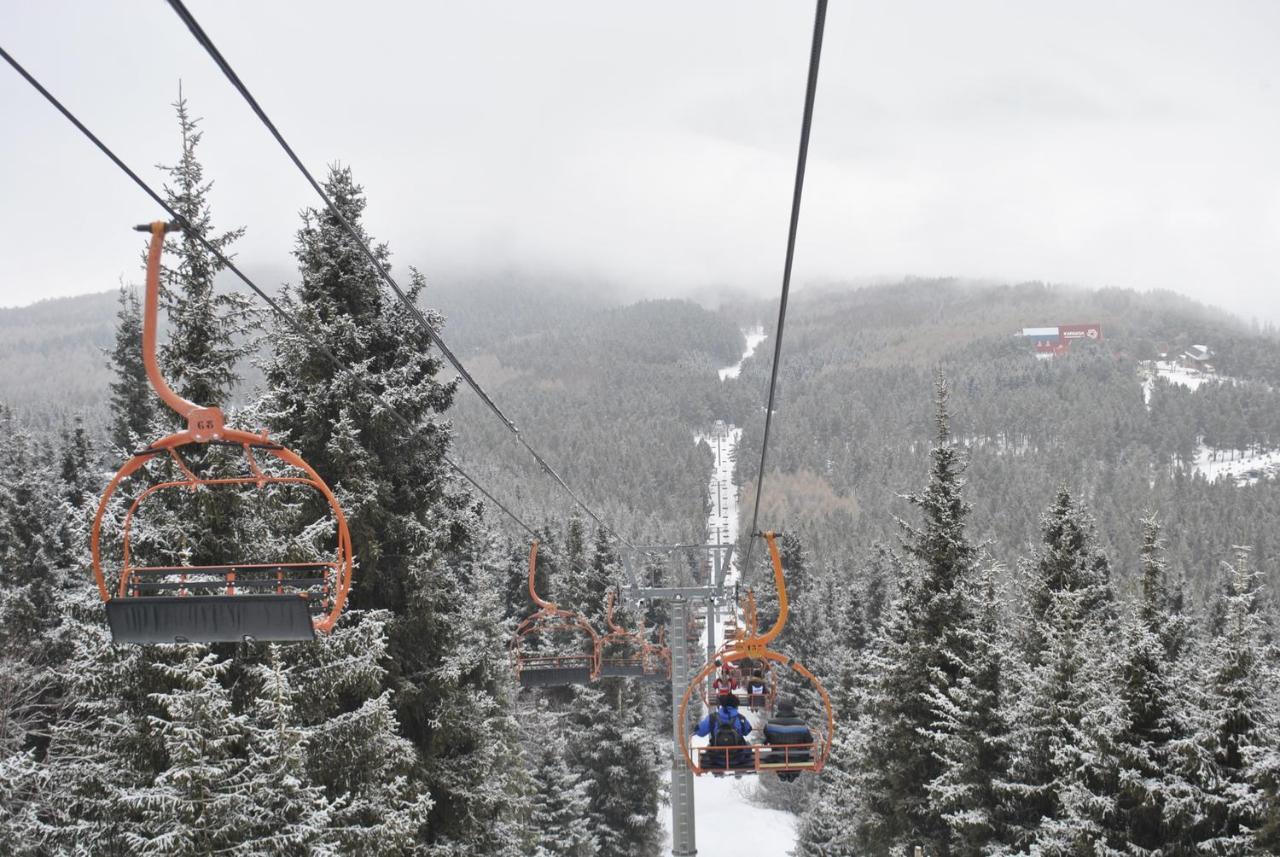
[754,337]
[727,823]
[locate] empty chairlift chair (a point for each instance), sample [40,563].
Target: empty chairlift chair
[229,600]
[657,658]
[622,652]
[568,664]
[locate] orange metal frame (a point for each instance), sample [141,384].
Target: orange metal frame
[548,619]
[753,645]
[206,425]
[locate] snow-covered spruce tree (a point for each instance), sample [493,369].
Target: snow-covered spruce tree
[1264,773]
[20,777]
[971,736]
[923,646]
[829,825]
[1067,561]
[104,745]
[198,803]
[558,797]
[412,526]
[132,401]
[825,829]
[291,813]
[1064,714]
[574,576]
[209,334]
[1064,728]
[1239,718]
[603,573]
[622,763]
[199,359]
[1159,799]
[97,740]
[31,552]
[377,802]
[43,491]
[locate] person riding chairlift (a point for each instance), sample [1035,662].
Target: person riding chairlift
[756,690]
[726,728]
[724,683]
[791,740]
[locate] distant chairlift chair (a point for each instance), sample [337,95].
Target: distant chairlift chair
[539,670]
[622,652]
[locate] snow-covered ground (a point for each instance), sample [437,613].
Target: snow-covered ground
[1181,376]
[1245,468]
[722,523]
[727,823]
[754,337]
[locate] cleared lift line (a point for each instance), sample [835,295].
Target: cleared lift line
[275,306]
[207,43]
[815,57]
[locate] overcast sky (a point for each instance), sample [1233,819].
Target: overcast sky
[651,145]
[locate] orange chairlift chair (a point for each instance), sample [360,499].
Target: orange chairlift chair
[761,758]
[629,654]
[657,657]
[538,670]
[231,601]
[621,651]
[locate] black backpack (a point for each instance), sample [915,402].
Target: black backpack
[726,733]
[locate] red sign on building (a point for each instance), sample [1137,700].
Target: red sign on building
[1081,331]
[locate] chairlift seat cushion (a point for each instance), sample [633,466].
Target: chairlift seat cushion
[210,619]
[555,676]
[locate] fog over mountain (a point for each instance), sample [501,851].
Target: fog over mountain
[649,149]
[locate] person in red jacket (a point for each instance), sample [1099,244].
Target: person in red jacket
[724,683]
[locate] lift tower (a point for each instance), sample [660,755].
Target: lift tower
[684,576]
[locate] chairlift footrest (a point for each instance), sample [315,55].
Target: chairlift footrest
[555,677]
[210,619]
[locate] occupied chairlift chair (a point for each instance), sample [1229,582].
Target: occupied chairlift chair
[760,758]
[742,669]
[232,601]
[538,670]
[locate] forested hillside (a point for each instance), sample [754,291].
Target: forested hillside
[854,416]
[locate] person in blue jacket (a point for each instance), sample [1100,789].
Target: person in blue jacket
[726,728]
[792,739]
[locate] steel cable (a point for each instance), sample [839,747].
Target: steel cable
[207,43]
[811,88]
[271,302]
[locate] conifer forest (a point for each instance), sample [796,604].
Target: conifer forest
[398,583]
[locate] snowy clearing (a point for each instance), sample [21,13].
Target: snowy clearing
[1177,375]
[1245,468]
[754,337]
